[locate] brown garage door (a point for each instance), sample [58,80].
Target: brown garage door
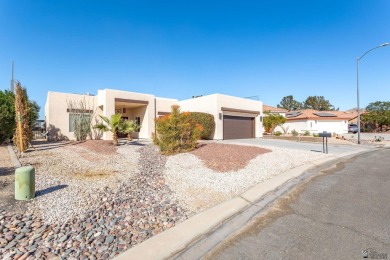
[237,127]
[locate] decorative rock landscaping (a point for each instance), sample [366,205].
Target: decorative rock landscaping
[92,217]
[95,200]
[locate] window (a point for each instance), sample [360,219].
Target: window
[77,118]
[138,121]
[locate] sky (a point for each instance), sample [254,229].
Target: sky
[178,49]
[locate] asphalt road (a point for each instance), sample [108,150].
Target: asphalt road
[336,215]
[336,149]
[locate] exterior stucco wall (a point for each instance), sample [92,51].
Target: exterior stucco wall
[164,104]
[242,104]
[57,117]
[106,100]
[316,126]
[212,104]
[206,104]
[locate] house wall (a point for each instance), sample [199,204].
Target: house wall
[165,104]
[106,100]
[206,104]
[57,117]
[316,126]
[212,104]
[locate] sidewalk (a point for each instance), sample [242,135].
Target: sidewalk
[173,241]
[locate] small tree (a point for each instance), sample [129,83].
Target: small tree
[110,125]
[289,103]
[176,132]
[271,121]
[128,127]
[23,132]
[7,115]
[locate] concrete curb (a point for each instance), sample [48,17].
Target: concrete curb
[174,240]
[14,158]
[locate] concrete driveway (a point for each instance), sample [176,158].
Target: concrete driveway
[336,149]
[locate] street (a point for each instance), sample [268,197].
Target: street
[338,214]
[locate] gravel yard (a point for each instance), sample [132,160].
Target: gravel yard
[198,187]
[95,200]
[91,202]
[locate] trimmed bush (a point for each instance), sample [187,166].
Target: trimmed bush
[294,132]
[307,133]
[278,133]
[206,121]
[315,135]
[176,132]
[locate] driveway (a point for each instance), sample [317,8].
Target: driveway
[336,149]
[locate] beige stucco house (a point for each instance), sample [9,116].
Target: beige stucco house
[234,117]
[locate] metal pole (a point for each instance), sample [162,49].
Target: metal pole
[358,103]
[357,82]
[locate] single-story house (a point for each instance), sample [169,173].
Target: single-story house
[234,117]
[313,121]
[316,121]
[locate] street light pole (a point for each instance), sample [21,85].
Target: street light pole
[357,84]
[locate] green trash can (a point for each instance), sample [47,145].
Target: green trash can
[24,183]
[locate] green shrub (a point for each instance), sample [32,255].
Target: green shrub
[278,133]
[294,132]
[307,133]
[315,135]
[176,132]
[206,121]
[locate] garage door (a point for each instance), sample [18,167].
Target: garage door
[237,127]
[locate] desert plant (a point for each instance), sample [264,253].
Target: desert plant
[294,132]
[271,121]
[111,124]
[176,132]
[206,121]
[306,133]
[278,133]
[25,116]
[128,127]
[285,129]
[81,113]
[315,135]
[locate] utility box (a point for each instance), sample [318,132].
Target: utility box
[25,183]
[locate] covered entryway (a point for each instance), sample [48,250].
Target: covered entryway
[238,127]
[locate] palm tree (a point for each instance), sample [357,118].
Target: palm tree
[128,127]
[111,125]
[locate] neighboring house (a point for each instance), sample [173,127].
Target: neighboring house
[275,110]
[234,117]
[317,121]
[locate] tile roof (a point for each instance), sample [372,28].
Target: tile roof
[274,109]
[311,114]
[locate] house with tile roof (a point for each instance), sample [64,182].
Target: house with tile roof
[317,121]
[313,121]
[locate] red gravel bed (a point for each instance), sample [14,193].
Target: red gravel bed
[227,157]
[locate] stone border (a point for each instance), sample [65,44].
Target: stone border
[176,239]
[14,158]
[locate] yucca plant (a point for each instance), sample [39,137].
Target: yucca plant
[111,124]
[128,127]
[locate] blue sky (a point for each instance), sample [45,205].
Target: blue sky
[179,49]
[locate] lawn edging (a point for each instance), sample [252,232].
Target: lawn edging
[174,240]
[14,158]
